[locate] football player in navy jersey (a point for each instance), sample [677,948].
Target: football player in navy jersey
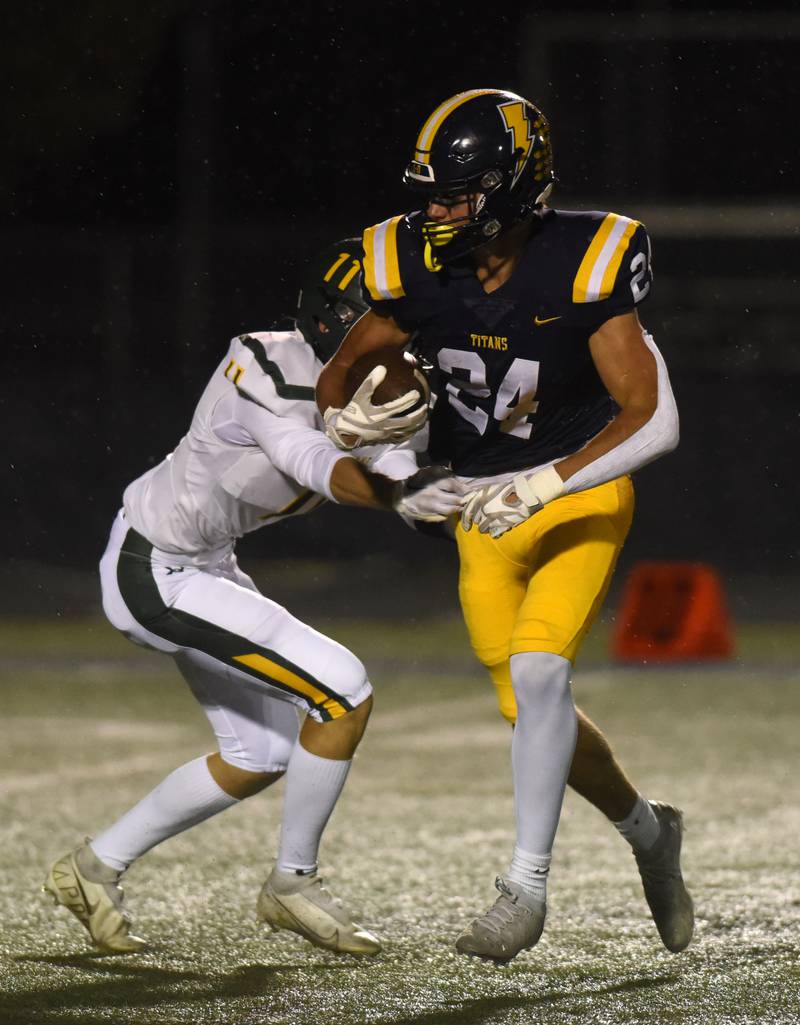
[550,394]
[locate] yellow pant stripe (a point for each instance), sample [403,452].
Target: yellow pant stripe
[600,265]
[280,674]
[435,121]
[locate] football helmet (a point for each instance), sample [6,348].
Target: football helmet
[330,298]
[490,146]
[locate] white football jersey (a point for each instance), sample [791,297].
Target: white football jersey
[255,452]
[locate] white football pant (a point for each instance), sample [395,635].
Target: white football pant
[248,661]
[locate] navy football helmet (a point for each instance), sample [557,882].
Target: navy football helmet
[490,146]
[331,300]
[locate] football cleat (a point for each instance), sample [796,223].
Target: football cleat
[664,889]
[301,904]
[513,923]
[89,889]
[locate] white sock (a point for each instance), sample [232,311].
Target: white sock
[313,785]
[641,827]
[530,871]
[542,746]
[187,796]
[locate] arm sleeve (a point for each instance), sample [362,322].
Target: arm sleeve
[395,461]
[655,438]
[301,452]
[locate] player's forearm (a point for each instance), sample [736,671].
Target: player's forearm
[638,434]
[432,494]
[351,484]
[366,335]
[331,385]
[619,430]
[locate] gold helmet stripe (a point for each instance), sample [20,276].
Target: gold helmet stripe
[435,121]
[381,262]
[280,674]
[600,265]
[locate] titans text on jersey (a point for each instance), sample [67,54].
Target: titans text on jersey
[518,386]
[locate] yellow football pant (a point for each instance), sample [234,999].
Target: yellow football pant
[540,585]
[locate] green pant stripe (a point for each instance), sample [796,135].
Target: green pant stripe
[141,595]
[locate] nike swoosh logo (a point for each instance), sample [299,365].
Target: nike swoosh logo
[538,321]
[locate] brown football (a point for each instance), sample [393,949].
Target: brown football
[403,374]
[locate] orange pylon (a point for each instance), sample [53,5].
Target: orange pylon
[672,612]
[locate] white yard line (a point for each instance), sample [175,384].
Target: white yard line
[81,727]
[94,773]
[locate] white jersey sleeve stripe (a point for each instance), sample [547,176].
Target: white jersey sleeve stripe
[598,270]
[381,262]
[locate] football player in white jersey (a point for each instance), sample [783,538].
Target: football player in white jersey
[255,452]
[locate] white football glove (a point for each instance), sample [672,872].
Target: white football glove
[431,495]
[496,508]
[362,423]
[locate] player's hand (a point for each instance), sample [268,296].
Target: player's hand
[497,508]
[431,495]
[362,423]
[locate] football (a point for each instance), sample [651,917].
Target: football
[403,374]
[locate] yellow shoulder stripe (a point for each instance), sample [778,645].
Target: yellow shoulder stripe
[381,262]
[600,264]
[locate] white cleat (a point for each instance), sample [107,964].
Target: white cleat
[513,923]
[664,889]
[90,889]
[302,904]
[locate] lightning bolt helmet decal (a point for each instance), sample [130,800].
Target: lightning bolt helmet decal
[517,123]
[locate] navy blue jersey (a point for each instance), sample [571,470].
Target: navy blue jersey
[518,387]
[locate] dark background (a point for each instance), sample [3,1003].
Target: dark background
[169,167]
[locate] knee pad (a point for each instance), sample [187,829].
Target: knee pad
[268,760]
[347,676]
[540,677]
[346,680]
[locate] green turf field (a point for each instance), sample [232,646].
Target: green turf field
[424,825]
